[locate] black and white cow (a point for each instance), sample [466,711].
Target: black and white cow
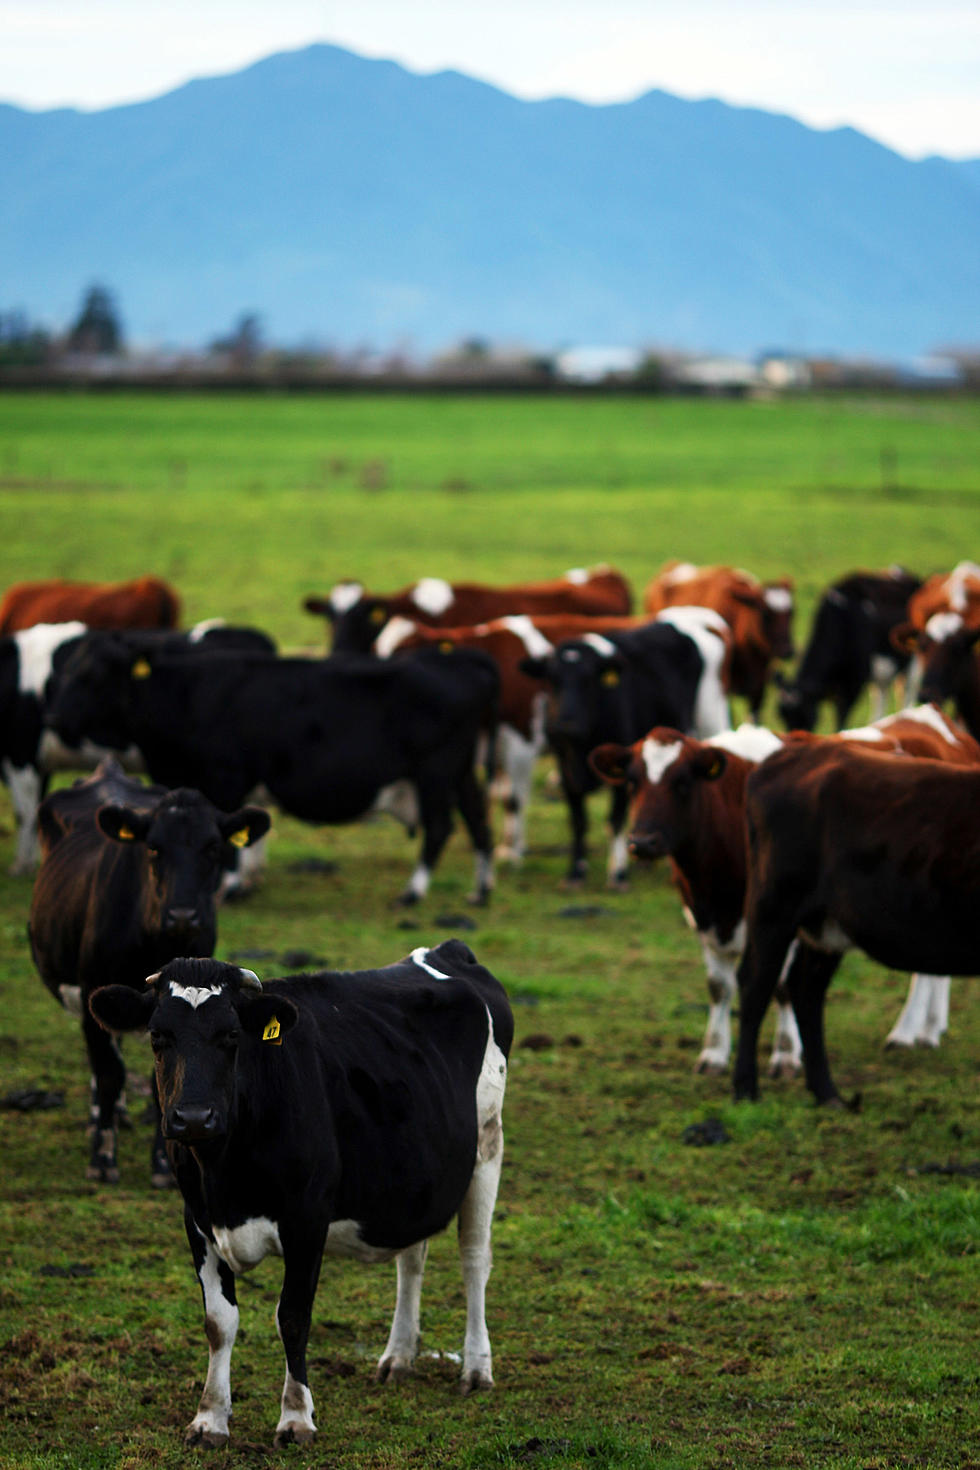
[349,1113]
[850,646]
[29,666]
[614,687]
[128,881]
[329,739]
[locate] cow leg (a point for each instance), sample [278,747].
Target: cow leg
[578,865]
[807,978]
[925,1013]
[26,786]
[517,757]
[210,1424]
[301,1255]
[472,804]
[617,869]
[768,952]
[787,1048]
[435,816]
[476,1218]
[109,1078]
[398,1358]
[720,961]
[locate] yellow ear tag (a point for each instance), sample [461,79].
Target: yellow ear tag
[610,678]
[271,1032]
[240,838]
[378,615]
[446,646]
[126,834]
[141,669]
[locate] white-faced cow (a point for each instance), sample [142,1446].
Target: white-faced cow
[358,616]
[849,647]
[128,881]
[945,605]
[614,687]
[760,615]
[851,848]
[349,1113]
[329,739]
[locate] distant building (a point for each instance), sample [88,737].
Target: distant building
[596,364]
[723,375]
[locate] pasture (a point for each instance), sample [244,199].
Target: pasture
[805,1292]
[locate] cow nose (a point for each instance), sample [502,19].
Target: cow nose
[181,918]
[647,844]
[191,1123]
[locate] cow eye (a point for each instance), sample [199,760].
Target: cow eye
[160,1040]
[228,1040]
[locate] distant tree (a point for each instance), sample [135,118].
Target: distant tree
[98,328]
[22,345]
[244,343]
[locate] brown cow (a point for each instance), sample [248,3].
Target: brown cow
[144,603]
[760,615]
[688,803]
[848,848]
[941,633]
[358,615]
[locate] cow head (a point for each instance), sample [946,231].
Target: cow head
[664,772]
[355,616]
[947,649]
[92,690]
[777,616]
[585,679]
[181,843]
[798,707]
[200,1013]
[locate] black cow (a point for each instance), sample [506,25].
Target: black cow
[328,739]
[30,662]
[850,645]
[614,687]
[127,882]
[353,1113]
[947,651]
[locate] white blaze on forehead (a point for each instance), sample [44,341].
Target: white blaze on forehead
[601,645]
[751,742]
[963,573]
[779,599]
[393,635]
[35,649]
[685,571]
[659,758]
[533,639]
[577,575]
[571,655]
[433,595]
[420,956]
[943,625]
[345,596]
[195,995]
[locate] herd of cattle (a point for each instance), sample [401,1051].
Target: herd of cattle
[787,849]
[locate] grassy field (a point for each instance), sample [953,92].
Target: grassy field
[805,1293]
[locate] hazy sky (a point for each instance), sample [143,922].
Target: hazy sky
[905,72]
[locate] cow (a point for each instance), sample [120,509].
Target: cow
[358,616]
[760,615]
[146,602]
[947,649]
[944,605]
[851,848]
[29,664]
[688,803]
[127,882]
[520,735]
[349,1113]
[849,646]
[614,687]
[329,740]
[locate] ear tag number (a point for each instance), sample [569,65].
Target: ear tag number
[239,838]
[141,669]
[271,1032]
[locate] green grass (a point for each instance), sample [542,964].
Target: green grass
[804,1294]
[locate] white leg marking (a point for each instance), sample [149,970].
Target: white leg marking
[721,961]
[618,860]
[398,1358]
[787,1048]
[210,1423]
[925,1015]
[517,757]
[25,798]
[476,1216]
[937,1020]
[482,877]
[296,1415]
[419,883]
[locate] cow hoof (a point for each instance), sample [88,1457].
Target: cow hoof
[475,1380]
[896,1043]
[293,1434]
[618,885]
[479,900]
[709,1064]
[784,1067]
[210,1439]
[406,900]
[103,1171]
[161,1180]
[393,1370]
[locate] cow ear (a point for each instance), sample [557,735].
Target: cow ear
[319,606]
[122,824]
[244,827]
[709,764]
[903,638]
[611,762]
[535,668]
[118,1008]
[268,1017]
[744,596]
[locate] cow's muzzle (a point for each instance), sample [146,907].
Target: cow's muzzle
[192,1124]
[647,844]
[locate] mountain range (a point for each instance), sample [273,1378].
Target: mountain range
[350,201]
